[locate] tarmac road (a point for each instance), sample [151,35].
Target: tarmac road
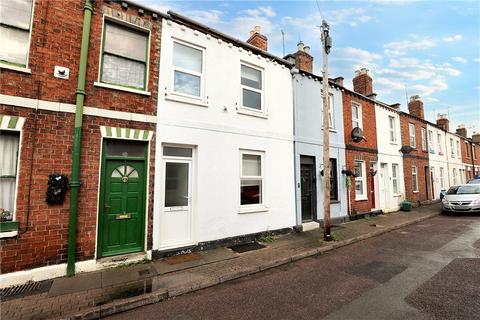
[430,270]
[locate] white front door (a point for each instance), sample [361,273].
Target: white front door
[176,216]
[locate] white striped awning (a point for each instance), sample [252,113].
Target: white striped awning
[126,133]
[11,122]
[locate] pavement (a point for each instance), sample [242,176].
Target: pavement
[108,292]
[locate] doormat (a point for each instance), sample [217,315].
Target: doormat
[240,248]
[183,258]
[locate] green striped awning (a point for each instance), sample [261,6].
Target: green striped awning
[11,122]
[126,133]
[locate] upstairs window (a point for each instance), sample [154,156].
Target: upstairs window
[124,56]
[424,139]
[467,148]
[430,141]
[187,70]
[331,112]
[356,115]
[458,149]
[9,142]
[439,140]
[452,148]
[411,132]
[251,84]
[15,26]
[392,129]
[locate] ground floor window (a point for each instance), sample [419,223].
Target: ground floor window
[360,182]
[333,179]
[9,143]
[395,178]
[251,178]
[414,179]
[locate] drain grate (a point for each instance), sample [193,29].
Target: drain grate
[240,248]
[25,289]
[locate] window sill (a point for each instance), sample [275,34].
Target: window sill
[248,112]
[9,226]
[332,130]
[120,88]
[253,208]
[334,201]
[397,195]
[394,143]
[415,191]
[15,68]
[361,199]
[177,98]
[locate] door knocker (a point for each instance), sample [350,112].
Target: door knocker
[125,179]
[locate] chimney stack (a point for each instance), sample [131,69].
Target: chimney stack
[442,122]
[302,58]
[415,107]
[395,106]
[339,81]
[476,137]
[362,83]
[257,39]
[461,131]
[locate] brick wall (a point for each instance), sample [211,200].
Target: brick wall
[56,35]
[365,150]
[417,157]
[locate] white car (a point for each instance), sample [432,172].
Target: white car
[462,198]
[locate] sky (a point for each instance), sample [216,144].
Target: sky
[426,48]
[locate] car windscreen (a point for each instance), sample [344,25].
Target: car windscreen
[470,189]
[452,190]
[474,181]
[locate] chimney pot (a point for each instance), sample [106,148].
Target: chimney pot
[300,46]
[306,49]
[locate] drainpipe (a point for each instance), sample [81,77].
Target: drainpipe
[80,98]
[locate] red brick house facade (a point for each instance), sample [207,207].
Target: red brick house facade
[37,111]
[361,156]
[415,157]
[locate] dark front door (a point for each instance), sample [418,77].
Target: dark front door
[308,191]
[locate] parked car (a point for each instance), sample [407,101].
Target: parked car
[443,192]
[474,181]
[462,198]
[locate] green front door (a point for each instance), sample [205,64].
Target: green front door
[122,220]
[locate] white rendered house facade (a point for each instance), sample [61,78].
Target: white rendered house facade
[224,148]
[456,168]
[389,177]
[438,160]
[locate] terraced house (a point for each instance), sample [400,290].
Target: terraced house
[81,78]
[308,108]
[224,148]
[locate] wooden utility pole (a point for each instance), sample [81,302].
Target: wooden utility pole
[326,45]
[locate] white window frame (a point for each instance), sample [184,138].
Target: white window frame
[247,110]
[14,66]
[454,173]
[359,119]
[392,125]
[17,176]
[430,142]
[331,112]
[395,178]
[256,207]
[412,137]
[442,178]
[414,179]
[363,179]
[452,148]
[424,139]
[439,138]
[120,87]
[458,148]
[190,72]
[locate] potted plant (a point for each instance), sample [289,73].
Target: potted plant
[5,215]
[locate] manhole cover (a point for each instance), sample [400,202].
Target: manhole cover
[183,258]
[240,248]
[379,271]
[25,289]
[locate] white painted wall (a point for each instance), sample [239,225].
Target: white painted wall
[309,140]
[388,153]
[438,159]
[454,159]
[217,130]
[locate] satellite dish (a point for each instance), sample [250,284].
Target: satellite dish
[406,149]
[357,135]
